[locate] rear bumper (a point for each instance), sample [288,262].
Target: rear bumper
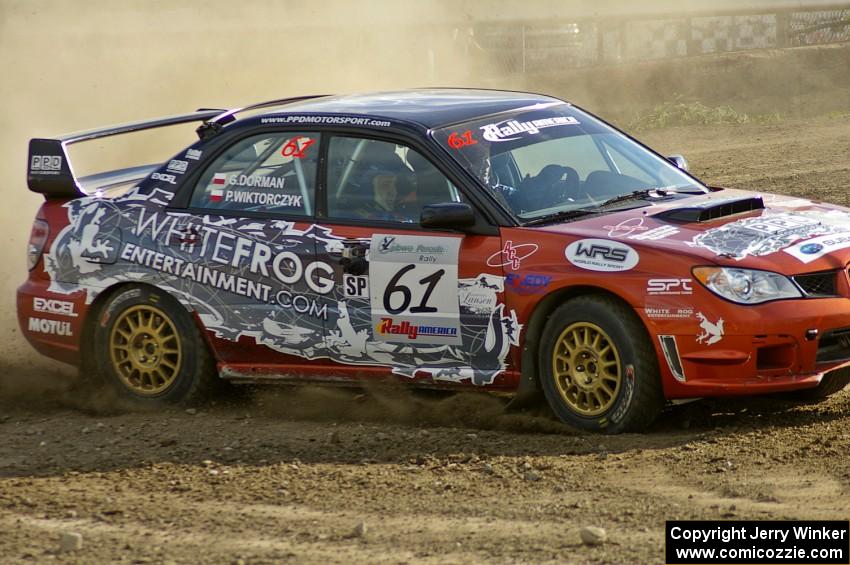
[52,323]
[780,346]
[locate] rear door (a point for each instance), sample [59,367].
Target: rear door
[248,233]
[417,302]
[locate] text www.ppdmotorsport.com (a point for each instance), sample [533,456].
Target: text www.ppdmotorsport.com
[758,542]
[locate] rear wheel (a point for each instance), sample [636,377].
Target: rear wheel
[149,351]
[832,382]
[599,371]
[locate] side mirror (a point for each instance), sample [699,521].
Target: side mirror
[679,161]
[447,215]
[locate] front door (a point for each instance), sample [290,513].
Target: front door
[419,303]
[249,232]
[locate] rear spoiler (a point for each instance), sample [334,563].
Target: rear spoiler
[49,170]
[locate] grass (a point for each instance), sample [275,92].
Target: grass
[679,112]
[839,115]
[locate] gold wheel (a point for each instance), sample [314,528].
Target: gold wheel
[146,350]
[586,366]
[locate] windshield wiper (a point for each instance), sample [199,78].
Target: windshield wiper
[562,215]
[635,195]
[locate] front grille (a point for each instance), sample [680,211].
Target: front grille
[834,346]
[818,284]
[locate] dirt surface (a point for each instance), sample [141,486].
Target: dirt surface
[388,476]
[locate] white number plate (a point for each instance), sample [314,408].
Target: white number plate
[413,289]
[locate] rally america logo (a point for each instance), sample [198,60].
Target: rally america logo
[510,130]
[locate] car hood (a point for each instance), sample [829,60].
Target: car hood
[732,228]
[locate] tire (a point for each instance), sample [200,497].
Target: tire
[832,382]
[148,350]
[620,388]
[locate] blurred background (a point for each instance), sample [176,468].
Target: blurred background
[751,68]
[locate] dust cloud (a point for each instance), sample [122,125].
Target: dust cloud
[72,65]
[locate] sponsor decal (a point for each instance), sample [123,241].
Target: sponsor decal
[260,198]
[461,140]
[391,327]
[669,286]
[388,244]
[669,313]
[255,181]
[302,304]
[527,283]
[414,286]
[250,256]
[219,179]
[712,332]
[336,120]
[661,232]
[511,130]
[478,301]
[815,248]
[194,154]
[46,164]
[177,166]
[602,255]
[52,306]
[479,295]
[770,233]
[195,271]
[51,327]
[355,286]
[512,255]
[216,195]
[170,179]
[271,283]
[297,147]
[96,242]
[626,227]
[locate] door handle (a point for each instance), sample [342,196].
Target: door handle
[353,259]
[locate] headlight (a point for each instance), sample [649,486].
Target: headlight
[746,286]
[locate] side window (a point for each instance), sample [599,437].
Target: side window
[380,180]
[273,172]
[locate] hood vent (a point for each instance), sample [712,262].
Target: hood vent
[712,210]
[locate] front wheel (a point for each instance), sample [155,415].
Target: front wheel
[148,350]
[599,371]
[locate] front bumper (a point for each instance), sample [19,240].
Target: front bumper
[724,349]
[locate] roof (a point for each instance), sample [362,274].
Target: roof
[428,107]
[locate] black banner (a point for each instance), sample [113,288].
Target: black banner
[818,542]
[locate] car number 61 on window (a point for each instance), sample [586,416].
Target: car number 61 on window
[413,289]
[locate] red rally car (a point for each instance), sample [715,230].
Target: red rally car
[445,238]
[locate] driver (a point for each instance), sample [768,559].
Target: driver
[385,204]
[385,191]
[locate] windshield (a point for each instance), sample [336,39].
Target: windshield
[552,158]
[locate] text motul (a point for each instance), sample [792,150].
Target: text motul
[52,327]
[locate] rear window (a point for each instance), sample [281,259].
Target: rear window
[263,173]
